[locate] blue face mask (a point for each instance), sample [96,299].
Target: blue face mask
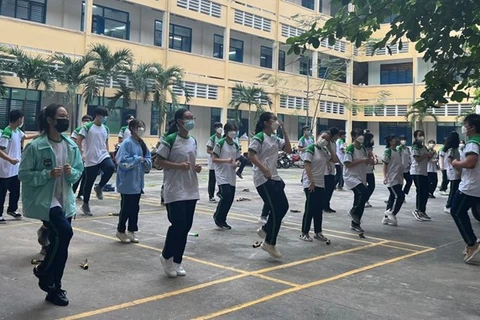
[104,119]
[189,124]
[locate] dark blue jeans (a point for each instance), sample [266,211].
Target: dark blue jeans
[461,203]
[273,194]
[361,194]
[421,183]
[91,173]
[243,163]
[339,175]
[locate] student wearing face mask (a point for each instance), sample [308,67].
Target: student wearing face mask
[452,153]
[217,126]
[418,170]
[125,132]
[432,168]
[406,162]
[370,167]
[468,194]
[317,159]
[177,155]
[50,165]
[305,140]
[225,153]
[96,155]
[85,119]
[330,172]
[355,177]
[393,179]
[263,154]
[442,161]
[133,159]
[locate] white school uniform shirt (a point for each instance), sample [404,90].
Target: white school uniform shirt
[319,160]
[225,172]
[469,183]
[95,148]
[11,144]
[355,175]
[393,159]
[61,156]
[211,143]
[125,133]
[406,158]
[432,165]
[340,146]
[266,147]
[419,168]
[179,185]
[304,143]
[452,173]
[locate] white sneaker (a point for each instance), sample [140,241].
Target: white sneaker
[262,220]
[388,221]
[123,237]
[389,214]
[131,236]
[444,193]
[261,233]
[446,210]
[179,269]
[2,220]
[168,267]
[272,250]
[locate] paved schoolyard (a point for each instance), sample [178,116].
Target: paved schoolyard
[413,271]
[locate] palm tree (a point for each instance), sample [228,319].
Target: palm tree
[3,88]
[107,66]
[417,114]
[72,75]
[33,71]
[252,96]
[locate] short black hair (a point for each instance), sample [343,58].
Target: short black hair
[356,133]
[342,133]
[129,116]
[305,128]
[333,131]
[473,120]
[15,115]
[217,125]
[402,137]
[432,141]
[389,138]
[100,111]
[87,117]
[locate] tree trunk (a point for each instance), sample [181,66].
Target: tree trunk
[24,105]
[249,124]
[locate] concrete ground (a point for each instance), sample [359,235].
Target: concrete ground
[413,271]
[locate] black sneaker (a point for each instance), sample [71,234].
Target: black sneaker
[330,210]
[239,174]
[356,228]
[15,214]
[225,226]
[99,192]
[86,209]
[355,219]
[58,297]
[431,196]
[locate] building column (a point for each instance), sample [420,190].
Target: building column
[88,17]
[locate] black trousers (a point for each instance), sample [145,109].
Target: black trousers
[11,185]
[211,183]
[328,192]
[265,210]
[313,210]
[408,182]
[243,163]
[339,176]
[432,182]
[461,203]
[370,184]
[453,190]
[396,198]
[91,173]
[272,192]
[444,185]
[227,194]
[421,183]
[129,208]
[59,234]
[81,183]
[361,195]
[180,214]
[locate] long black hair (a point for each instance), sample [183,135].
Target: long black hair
[368,139]
[134,125]
[48,112]
[388,139]
[229,126]
[452,141]
[416,133]
[178,116]
[261,121]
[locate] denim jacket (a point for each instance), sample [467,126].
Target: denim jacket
[131,169]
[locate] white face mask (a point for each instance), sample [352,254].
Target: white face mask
[275,125]
[141,132]
[461,146]
[421,139]
[308,133]
[232,134]
[403,142]
[321,143]
[464,130]
[360,139]
[219,131]
[431,145]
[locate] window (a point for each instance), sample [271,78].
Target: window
[444,128]
[310,4]
[236,50]
[180,38]
[154,115]
[302,121]
[281,60]
[157,37]
[215,116]
[396,128]
[396,73]
[236,117]
[266,54]
[218,46]
[116,115]
[13,100]
[110,22]
[305,64]
[320,5]
[31,10]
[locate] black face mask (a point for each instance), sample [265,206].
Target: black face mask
[62,125]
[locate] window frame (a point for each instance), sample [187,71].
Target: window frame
[236,53]
[103,19]
[396,73]
[397,128]
[155,31]
[266,59]
[282,59]
[172,35]
[8,98]
[29,9]
[219,46]
[305,3]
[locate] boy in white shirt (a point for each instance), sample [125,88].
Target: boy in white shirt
[124,131]
[340,144]
[212,142]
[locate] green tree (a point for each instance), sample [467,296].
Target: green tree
[418,113]
[3,88]
[251,96]
[445,31]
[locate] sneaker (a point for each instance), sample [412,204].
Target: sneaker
[99,192]
[43,251]
[239,174]
[446,210]
[389,214]
[2,220]
[339,189]
[354,218]
[305,237]
[225,226]
[471,252]
[86,209]
[388,221]
[262,220]
[58,297]
[320,236]
[424,216]
[368,205]
[45,281]
[123,237]
[261,233]
[42,236]
[212,200]
[443,193]
[271,249]
[329,210]
[131,237]
[356,228]
[15,214]
[80,198]
[417,215]
[168,267]
[431,196]
[179,269]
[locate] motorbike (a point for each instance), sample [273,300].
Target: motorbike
[283,160]
[154,154]
[296,160]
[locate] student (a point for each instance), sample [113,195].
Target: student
[85,119]
[355,176]
[468,194]
[452,153]
[442,161]
[305,140]
[418,171]
[340,150]
[432,168]
[96,155]
[50,165]
[461,148]
[263,154]
[125,130]
[330,171]
[225,153]
[177,155]
[407,163]
[369,143]
[133,158]
[217,126]
[317,159]
[393,179]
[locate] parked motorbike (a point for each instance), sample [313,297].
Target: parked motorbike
[296,160]
[153,152]
[283,160]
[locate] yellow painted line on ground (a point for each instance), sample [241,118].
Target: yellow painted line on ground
[309,285]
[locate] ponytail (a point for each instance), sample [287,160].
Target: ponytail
[173,124]
[261,121]
[48,112]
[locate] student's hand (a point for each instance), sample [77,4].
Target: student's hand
[311,187]
[67,169]
[142,159]
[266,172]
[236,164]
[83,158]
[385,181]
[14,161]
[56,172]
[198,168]
[185,166]
[230,160]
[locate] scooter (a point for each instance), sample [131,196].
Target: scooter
[283,160]
[296,159]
